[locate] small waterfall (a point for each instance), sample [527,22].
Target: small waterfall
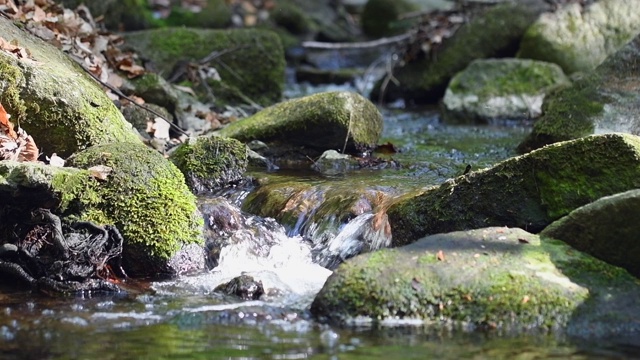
[243,244]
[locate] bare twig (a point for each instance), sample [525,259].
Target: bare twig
[360,45]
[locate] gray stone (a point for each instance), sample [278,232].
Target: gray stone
[500,89]
[580,39]
[607,228]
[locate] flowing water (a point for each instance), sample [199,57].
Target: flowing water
[186,319]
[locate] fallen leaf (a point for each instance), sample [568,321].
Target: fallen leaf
[6,126]
[56,160]
[525,299]
[440,255]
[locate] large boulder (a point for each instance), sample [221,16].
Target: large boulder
[606,229]
[494,33]
[146,197]
[605,100]
[330,120]
[243,77]
[54,100]
[488,278]
[500,89]
[579,39]
[211,163]
[529,191]
[143,195]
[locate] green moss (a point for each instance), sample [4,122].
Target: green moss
[488,78]
[211,162]
[425,80]
[262,81]
[584,268]
[567,114]
[322,121]
[527,192]
[216,14]
[144,196]
[460,290]
[380,17]
[54,101]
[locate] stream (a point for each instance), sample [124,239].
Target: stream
[186,319]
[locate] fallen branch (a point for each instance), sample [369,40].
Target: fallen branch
[360,45]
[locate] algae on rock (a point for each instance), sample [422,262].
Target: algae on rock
[425,80]
[499,89]
[528,191]
[329,120]
[579,39]
[250,60]
[210,163]
[146,197]
[603,101]
[490,278]
[54,100]
[606,228]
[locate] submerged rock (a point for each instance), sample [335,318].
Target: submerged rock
[529,191]
[500,89]
[494,33]
[210,163]
[579,39]
[324,121]
[602,101]
[243,286]
[54,100]
[491,278]
[606,228]
[332,162]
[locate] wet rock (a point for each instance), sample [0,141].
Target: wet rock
[492,90]
[54,100]
[146,197]
[329,120]
[226,225]
[485,36]
[579,39]
[211,163]
[602,101]
[491,278]
[340,221]
[606,228]
[243,79]
[529,191]
[243,286]
[332,162]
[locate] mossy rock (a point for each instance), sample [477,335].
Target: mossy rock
[216,14]
[529,191]
[211,163]
[605,228]
[253,63]
[425,80]
[54,100]
[380,18]
[118,14]
[323,121]
[479,279]
[580,39]
[146,197]
[605,100]
[292,18]
[499,89]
